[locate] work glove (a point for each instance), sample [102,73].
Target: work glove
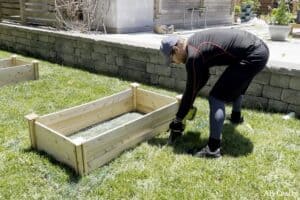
[191,114]
[176,128]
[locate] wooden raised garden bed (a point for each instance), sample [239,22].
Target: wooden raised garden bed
[87,136]
[13,70]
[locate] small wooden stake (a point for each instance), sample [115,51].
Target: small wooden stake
[31,121]
[134,87]
[35,65]
[13,60]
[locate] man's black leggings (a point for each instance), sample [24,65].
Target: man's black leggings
[237,77]
[217,115]
[232,84]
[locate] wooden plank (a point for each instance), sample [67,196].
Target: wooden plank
[40,14]
[39,1]
[171,12]
[136,132]
[20,62]
[81,121]
[56,145]
[22,11]
[100,145]
[10,5]
[148,101]
[80,160]
[73,119]
[16,74]
[125,145]
[13,1]
[6,11]
[5,63]
[96,151]
[84,108]
[134,87]
[122,146]
[29,11]
[41,21]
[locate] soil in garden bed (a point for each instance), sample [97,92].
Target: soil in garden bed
[97,129]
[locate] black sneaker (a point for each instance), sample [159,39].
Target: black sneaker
[207,153]
[174,136]
[236,118]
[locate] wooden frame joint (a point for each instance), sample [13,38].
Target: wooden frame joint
[13,60]
[35,65]
[179,97]
[134,87]
[31,123]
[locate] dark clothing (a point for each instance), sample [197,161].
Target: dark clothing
[244,53]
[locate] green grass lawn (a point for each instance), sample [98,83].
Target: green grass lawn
[261,157]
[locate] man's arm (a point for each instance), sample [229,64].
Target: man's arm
[197,77]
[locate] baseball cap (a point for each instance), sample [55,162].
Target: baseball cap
[167,46]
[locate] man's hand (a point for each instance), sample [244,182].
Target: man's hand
[176,128]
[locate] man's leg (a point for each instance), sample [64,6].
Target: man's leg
[237,104]
[236,117]
[216,119]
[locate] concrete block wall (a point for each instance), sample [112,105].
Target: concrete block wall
[275,89]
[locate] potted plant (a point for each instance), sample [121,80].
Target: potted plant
[237,13]
[280,20]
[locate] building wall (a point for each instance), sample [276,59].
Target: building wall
[275,89]
[129,16]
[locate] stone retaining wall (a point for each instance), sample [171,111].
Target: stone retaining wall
[274,89]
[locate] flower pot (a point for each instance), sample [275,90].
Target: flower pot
[279,32]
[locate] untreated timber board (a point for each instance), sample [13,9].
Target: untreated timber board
[57,133]
[14,70]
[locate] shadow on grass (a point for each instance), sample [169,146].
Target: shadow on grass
[233,143]
[73,177]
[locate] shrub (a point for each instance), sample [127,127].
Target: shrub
[255,4]
[281,15]
[237,10]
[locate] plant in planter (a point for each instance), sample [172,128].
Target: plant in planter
[280,21]
[254,4]
[237,13]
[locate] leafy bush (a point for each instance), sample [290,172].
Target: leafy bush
[255,4]
[281,15]
[237,10]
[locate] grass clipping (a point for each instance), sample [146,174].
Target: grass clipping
[99,128]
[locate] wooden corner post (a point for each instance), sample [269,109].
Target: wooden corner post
[179,97]
[35,65]
[13,60]
[134,87]
[31,123]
